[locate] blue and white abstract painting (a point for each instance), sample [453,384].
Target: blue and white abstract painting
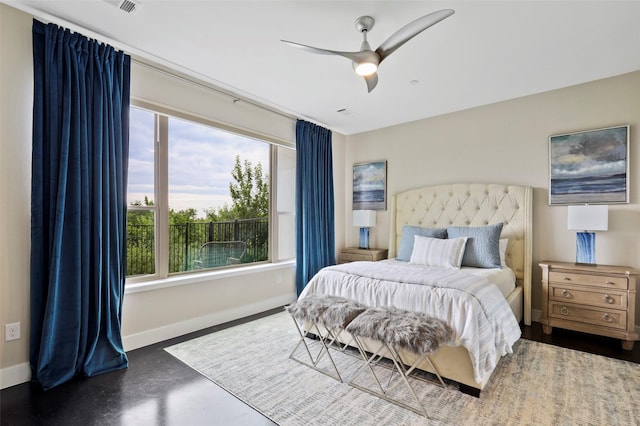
[370,186]
[589,167]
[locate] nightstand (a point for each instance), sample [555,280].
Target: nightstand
[352,254]
[597,299]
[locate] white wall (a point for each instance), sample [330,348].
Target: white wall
[507,142]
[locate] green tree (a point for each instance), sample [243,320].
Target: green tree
[136,217]
[249,194]
[140,239]
[182,216]
[250,191]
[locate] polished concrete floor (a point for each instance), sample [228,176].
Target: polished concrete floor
[157,389]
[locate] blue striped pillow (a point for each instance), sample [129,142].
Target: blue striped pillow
[483,245]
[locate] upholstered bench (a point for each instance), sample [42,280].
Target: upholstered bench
[396,330]
[331,313]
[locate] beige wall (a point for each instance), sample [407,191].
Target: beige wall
[149,315]
[504,142]
[507,142]
[16,99]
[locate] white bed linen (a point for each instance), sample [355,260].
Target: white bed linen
[476,309]
[504,279]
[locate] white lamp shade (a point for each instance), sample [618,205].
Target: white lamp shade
[364,218]
[588,218]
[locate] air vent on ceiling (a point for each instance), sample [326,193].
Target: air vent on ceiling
[128,6]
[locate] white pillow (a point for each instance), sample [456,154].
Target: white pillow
[502,246]
[438,252]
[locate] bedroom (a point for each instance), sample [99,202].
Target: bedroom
[481,142]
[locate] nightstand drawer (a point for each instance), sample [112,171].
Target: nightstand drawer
[584,314]
[568,294]
[593,280]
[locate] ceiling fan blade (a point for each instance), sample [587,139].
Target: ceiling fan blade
[372,81]
[354,56]
[409,31]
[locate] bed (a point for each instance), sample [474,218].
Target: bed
[462,296]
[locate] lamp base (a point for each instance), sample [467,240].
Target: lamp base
[364,238]
[586,248]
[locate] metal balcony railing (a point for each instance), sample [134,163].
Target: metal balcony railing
[186,239]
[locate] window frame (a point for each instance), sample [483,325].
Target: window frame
[161,196]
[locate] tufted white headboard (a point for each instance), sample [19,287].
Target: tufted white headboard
[473,204]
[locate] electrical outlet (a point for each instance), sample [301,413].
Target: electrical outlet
[11,331]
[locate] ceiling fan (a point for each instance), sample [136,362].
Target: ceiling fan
[366,61]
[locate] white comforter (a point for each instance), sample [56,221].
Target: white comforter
[477,311]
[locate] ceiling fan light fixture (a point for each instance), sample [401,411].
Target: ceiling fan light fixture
[366,68]
[365,62]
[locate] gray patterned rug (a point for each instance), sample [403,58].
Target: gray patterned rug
[538,384]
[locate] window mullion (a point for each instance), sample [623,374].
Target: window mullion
[162,194]
[273,209]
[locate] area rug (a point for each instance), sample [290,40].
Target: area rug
[538,384]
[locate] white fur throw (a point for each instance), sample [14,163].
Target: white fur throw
[416,332]
[330,311]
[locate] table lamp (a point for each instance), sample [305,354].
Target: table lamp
[364,219]
[587,218]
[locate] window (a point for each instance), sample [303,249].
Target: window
[200,198]
[141,215]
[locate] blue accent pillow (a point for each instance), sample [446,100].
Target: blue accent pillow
[408,233]
[483,244]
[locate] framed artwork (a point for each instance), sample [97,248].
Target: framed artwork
[589,167]
[370,186]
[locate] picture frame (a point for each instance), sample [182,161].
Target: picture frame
[370,186]
[589,167]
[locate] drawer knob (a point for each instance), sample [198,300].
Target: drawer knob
[565,293]
[565,311]
[567,278]
[608,299]
[607,317]
[609,282]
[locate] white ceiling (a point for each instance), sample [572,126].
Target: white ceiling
[488,51]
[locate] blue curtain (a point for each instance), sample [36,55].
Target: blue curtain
[78,205]
[315,240]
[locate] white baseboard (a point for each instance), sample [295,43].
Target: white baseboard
[15,375]
[21,373]
[149,337]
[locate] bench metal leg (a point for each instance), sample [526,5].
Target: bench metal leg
[404,373]
[325,343]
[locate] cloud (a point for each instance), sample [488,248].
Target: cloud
[589,154]
[201,159]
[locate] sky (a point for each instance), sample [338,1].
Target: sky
[201,160]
